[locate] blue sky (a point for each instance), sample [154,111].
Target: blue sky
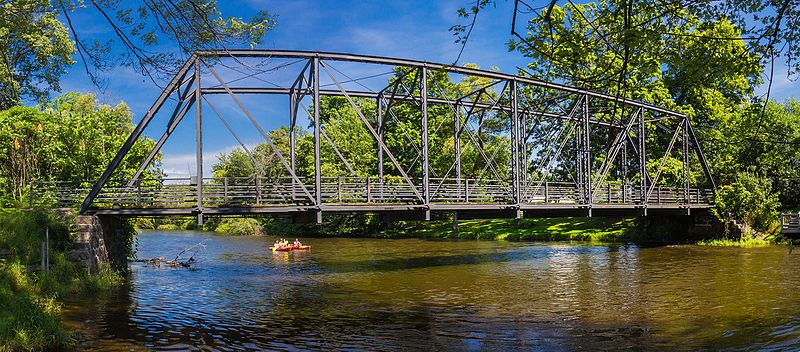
[407,29]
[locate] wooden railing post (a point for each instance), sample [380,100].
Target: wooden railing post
[340,188]
[546,192]
[466,190]
[30,195]
[658,196]
[624,193]
[369,190]
[258,190]
[139,193]
[609,192]
[225,190]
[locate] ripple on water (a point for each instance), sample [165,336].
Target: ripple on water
[405,294]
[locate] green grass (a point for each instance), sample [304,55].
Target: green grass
[544,229]
[750,242]
[29,321]
[30,315]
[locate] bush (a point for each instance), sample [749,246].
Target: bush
[144,224]
[30,316]
[240,227]
[750,199]
[168,227]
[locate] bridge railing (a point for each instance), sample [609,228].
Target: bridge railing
[262,191]
[790,223]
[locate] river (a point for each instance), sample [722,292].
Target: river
[403,294]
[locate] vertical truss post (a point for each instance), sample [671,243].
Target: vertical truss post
[523,163]
[515,167]
[317,130]
[426,191]
[199,138]
[686,170]
[642,163]
[457,147]
[379,114]
[292,140]
[624,170]
[587,156]
[579,164]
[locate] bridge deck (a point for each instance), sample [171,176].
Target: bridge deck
[239,196]
[790,225]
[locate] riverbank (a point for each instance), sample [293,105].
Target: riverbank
[595,229]
[539,229]
[30,318]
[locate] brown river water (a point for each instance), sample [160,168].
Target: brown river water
[410,294]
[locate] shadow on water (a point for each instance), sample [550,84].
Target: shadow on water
[431,259]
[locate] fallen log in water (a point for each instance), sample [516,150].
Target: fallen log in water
[158,261]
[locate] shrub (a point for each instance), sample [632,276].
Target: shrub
[240,227]
[168,227]
[751,199]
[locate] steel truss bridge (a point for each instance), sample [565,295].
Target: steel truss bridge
[573,152]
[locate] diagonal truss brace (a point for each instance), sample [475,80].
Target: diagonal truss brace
[136,133]
[373,133]
[263,134]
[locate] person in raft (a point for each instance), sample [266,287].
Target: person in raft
[297,243]
[281,243]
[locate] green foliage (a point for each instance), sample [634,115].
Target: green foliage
[750,198]
[744,242]
[29,321]
[36,51]
[239,227]
[72,139]
[30,317]
[694,59]
[22,232]
[37,47]
[168,227]
[770,144]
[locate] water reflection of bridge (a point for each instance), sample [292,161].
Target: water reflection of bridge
[572,151]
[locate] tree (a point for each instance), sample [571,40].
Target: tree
[68,140]
[262,161]
[138,29]
[37,47]
[774,137]
[35,50]
[749,198]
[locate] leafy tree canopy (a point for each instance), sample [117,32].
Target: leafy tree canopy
[39,37]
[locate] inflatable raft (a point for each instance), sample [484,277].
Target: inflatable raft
[290,248]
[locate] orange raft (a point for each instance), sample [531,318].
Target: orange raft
[290,248]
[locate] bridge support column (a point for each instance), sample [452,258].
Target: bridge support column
[457,150]
[199,139]
[583,158]
[642,164]
[426,191]
[686,175]
[379,114]
[293,103]
[317,132]
[515,164]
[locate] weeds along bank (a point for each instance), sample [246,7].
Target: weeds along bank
[30,312]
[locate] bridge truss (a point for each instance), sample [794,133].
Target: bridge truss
[572,151]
